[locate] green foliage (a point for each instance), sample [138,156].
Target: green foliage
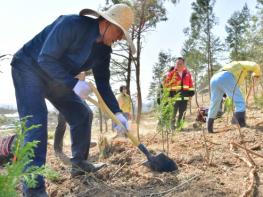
[159,70]
[50,136]
[228,105]
[255,36]
[180,125]
[165,111]
[258,101]
[16,170]
[201,42]
[195,59]
[3,119]
[202,17]
[237,28]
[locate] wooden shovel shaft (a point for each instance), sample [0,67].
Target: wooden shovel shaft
[102,105]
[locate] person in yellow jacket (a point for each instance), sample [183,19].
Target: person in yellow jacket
[227,81]
[124,101]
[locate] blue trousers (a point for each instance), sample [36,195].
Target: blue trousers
[224,82]
[31,90]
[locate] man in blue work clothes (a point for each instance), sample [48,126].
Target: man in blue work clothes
[44,68]
[228,80]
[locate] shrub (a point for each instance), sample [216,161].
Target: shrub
[23,155]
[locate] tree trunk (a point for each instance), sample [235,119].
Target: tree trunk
[128,82]
[106,124]
[139,96]
[129,68]
[209,67]
[100,119]
[196,101]
[190,106]
[138,64]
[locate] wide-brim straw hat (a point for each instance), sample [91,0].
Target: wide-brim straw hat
[120,15]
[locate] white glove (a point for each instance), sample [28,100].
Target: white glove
[124,122]
[82,89]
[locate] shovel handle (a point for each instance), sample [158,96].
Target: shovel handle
[102,105]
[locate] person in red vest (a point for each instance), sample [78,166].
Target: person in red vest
[179,82]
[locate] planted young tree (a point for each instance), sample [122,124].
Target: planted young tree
[147,15]
[165,115]
[15,170]
[237,28]
[228,107]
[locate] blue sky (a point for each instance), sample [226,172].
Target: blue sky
[21,20]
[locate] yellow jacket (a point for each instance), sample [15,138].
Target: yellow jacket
[240,69]
[124,101]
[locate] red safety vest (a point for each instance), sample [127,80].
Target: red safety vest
[174,82]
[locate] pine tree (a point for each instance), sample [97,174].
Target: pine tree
[195,61]
[255,35]
[202,22]
[237,28]
[159,69]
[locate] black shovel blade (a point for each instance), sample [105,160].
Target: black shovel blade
[162,163]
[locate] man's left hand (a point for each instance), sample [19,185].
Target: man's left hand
[82,89]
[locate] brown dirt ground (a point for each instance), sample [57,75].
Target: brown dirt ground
[124,175]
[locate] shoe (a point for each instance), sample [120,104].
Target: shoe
[239,118]
[84,166]
[35,193]
[210,125]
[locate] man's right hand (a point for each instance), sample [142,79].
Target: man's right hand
[82,89]
[124,122]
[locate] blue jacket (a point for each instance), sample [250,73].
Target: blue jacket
[65,48]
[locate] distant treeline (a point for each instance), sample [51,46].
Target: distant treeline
[7,109]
